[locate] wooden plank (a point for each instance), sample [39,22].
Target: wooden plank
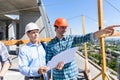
[19,42]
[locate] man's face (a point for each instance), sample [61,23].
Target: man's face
[33,35]
[61,30]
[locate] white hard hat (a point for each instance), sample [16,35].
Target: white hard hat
[31,26]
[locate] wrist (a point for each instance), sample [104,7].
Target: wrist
[1,75]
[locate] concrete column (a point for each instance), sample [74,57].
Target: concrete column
[3,30]
[12,31]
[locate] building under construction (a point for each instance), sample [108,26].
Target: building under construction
[15,14]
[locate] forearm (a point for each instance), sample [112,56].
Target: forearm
[5,67]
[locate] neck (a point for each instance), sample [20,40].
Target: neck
[35,42]
[60,36]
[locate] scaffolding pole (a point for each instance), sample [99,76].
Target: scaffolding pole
[102,46]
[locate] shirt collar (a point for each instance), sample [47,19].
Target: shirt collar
[31,44]
[64,38]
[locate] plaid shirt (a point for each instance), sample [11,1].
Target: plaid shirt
[55,46]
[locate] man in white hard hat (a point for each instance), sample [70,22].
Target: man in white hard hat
[32,55]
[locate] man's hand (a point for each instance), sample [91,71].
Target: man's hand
[43,70]
[60,65]
[108,31]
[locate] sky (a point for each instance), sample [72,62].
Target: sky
[72,10]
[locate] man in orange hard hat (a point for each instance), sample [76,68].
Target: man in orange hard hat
[61,42]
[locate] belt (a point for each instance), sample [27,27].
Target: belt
[38,77]
[34,77]
[1,78]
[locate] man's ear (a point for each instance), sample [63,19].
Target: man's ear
[56,28]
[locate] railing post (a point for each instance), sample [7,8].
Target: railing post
[118,63]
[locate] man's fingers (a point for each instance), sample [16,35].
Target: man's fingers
[60,65]
[43,69]
[113,26]
[109,32]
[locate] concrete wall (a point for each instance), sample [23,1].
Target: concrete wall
[25,18]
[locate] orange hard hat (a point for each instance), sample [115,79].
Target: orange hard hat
[60,22]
